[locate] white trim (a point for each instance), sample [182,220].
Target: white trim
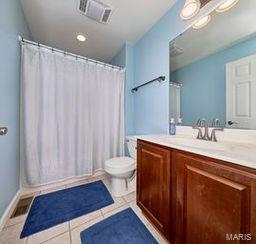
[9,210]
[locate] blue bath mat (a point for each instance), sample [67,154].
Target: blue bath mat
[122,228]
[61,206]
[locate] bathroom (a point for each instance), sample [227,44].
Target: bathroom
[127,121]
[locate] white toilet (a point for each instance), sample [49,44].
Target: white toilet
[122,170]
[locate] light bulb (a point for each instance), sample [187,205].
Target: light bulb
[81,38]
[190,9]
[202,22]
[227,5]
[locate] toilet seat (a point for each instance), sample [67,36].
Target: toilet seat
[120,165]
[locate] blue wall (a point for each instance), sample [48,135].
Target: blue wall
[12,23]
[151,59]
[129,85]
[125,58]
[208,76]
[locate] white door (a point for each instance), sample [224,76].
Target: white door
[241,93]
[175,101]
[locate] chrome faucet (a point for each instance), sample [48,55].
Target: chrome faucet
[216,127]
[202,123]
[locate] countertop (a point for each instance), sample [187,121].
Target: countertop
[236,152]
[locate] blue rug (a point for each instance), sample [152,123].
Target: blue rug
[122,228]
[58,207]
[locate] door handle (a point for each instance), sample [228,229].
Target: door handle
[3,131]
[232,123]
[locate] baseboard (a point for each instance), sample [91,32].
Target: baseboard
[9,210]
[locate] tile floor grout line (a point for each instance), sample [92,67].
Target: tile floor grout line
[70,239]
[53,237]
[114,210]
[102,214]
[85,221]
[6,227]
[75,227]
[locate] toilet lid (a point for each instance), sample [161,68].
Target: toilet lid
[121,162]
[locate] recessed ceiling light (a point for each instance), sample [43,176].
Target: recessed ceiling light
[202,22]
[227,5]
[190,9]
[81,38]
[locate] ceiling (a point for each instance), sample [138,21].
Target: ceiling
[224,30]
[57,22]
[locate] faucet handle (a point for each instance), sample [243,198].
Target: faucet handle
[198,123]
[213,134]
[216,123]
[201,122]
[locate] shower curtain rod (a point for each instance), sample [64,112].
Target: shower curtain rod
[25,41]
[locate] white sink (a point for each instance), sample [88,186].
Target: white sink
[199,144]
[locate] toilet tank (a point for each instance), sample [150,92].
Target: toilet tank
[132,146]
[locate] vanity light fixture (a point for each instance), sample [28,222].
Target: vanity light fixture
[190,9]
[202,22]
[227,5]
[81,38]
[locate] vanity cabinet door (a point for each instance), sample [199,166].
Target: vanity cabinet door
[211,201]
[153,185]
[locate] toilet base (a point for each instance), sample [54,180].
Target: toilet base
[121,187]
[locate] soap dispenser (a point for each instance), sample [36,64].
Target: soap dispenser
[172,127]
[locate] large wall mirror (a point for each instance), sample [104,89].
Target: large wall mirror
[213,69]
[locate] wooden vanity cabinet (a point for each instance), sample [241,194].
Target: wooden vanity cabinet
[211,199]
[193,199]
[153,184]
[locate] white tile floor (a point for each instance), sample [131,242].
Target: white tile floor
[69,232]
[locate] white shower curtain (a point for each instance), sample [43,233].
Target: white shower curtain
[72,115]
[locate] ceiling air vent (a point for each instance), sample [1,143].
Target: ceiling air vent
[95,10]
